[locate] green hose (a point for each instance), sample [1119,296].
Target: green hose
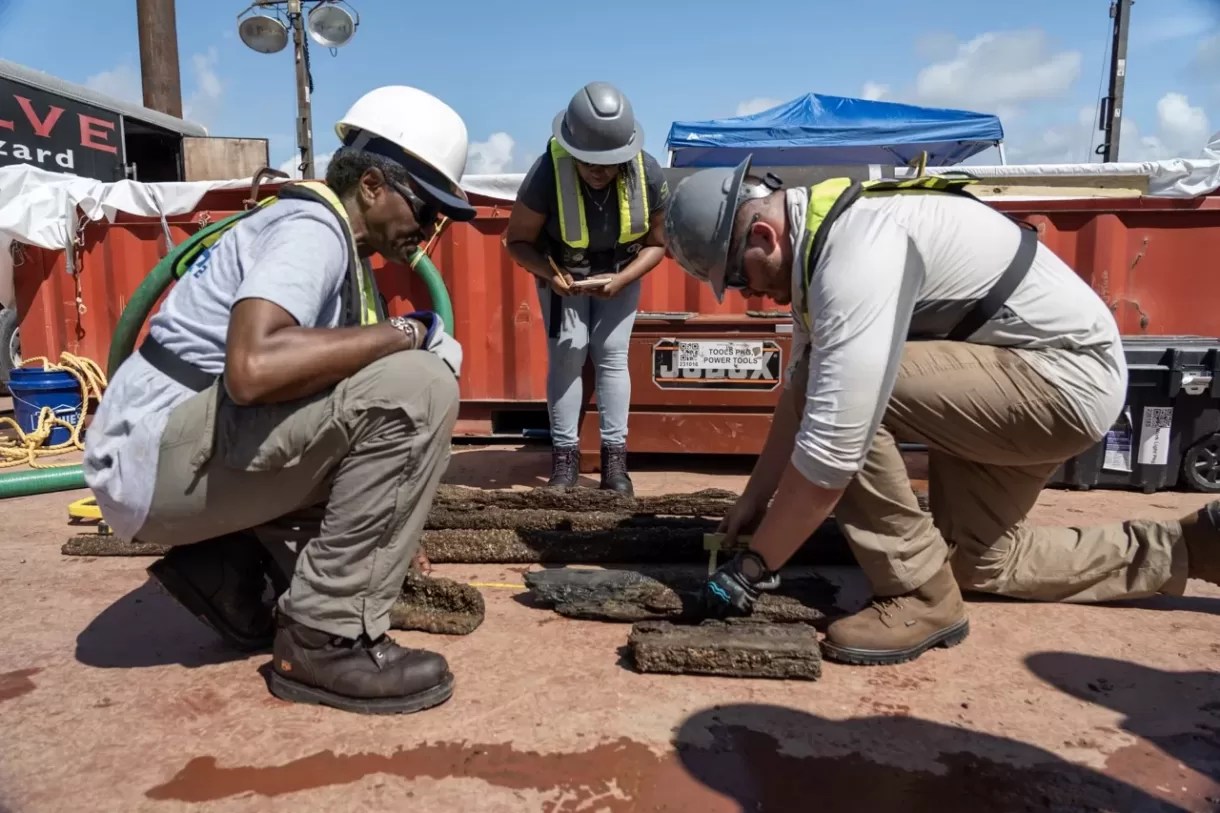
[41,481]
[158,281]
[437,292]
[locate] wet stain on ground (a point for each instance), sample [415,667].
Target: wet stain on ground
[15,684]
[741,769]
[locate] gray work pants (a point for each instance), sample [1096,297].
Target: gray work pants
[589,325]
[348,474]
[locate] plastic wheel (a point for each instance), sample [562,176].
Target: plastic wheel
[1201,465]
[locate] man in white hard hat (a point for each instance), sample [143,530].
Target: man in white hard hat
[922,314]
[275,422]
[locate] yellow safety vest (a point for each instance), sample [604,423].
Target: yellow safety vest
[632,200]
[359,285]
[830,198]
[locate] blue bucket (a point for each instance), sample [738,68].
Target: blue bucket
[33,388]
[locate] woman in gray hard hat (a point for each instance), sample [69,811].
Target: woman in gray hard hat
[589,223]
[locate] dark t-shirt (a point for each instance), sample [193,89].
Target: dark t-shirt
[537,191]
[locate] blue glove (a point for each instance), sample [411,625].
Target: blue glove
[736,585]
[437,341]
[433,325]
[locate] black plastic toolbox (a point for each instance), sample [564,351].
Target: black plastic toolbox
[1168,435]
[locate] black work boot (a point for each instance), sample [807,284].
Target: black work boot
[221,581]
[565,467]
[358,675]
[614,470]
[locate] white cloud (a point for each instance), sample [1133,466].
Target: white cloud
[874,91]
[999,69]
[122,82]
[756,105]
[1181,132]
[1182,128]
[203,104]
[490,157]
[320,163]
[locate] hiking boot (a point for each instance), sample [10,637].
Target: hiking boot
[614,470]
[358,675]
[221,581]
[1201,531]
[565,467]
[901,628]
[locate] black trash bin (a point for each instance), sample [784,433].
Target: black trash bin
[1168,435]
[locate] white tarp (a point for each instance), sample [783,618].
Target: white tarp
[40,208]
[1176,178]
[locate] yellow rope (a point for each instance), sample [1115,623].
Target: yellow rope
[28,447]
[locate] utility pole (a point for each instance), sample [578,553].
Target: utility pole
[304,111]
[159,71]
[1112,106]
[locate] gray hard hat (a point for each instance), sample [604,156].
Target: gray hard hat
[598,126]
[699,222]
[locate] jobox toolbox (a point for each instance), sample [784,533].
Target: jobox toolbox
[1168,435]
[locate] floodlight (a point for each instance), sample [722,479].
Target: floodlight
[263,33]
[330,26]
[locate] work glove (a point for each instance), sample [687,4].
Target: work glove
[438,342]
[736,585]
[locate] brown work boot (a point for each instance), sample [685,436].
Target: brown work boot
[222,582]
[565,467]
[901,628]
[1201,531]
[367,677]
[614,470]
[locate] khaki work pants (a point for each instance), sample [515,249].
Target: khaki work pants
[348,475]
[996,431]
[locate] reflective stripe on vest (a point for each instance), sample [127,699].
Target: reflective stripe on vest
[366,285]
[829,199]
[632,200]
[357,272]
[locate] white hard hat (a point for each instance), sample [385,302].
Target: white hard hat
[417,130]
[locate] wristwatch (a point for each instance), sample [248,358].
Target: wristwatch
[752,566]
[407,327]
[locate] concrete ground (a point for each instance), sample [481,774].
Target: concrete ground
[113,698]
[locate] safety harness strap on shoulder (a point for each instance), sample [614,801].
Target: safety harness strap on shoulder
[986,307]
[360,301]
[1003,288]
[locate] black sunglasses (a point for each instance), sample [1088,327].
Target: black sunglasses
[426,214]
[734,270]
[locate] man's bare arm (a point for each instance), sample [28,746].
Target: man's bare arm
[271,359]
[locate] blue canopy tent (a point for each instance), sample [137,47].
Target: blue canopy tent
[832,130]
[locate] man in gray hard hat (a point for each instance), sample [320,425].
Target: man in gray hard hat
[929,318]
[589,213]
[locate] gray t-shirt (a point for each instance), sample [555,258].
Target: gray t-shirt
[293,254]
[537,191]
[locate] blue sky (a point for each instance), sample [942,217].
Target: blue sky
[509,67]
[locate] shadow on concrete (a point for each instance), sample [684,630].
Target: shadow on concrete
[1207,605]
[1178,712]
[774,758]
[147,628]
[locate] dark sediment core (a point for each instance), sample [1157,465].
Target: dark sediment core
[109,545]
[735,648]
[668,594]
[437,605]
[712,502]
